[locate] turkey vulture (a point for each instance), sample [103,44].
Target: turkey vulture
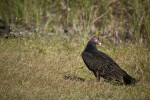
[104,66]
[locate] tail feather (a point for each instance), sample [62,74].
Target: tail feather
[128,80]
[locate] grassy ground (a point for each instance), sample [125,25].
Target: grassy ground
[52,68]
[35,69]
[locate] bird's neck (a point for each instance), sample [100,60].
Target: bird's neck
[90,47]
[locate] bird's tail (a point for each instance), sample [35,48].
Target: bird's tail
[128,80]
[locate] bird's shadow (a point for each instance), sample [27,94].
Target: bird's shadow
[73,78]
[76,78]
[115,83]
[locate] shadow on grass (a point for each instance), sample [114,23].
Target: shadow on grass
[116,83]
[73,78]
[76,78]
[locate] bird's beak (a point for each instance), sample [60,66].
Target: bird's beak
[99,43]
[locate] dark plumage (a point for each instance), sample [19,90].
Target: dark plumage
[104,66]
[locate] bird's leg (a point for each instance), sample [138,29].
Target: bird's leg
[97,76]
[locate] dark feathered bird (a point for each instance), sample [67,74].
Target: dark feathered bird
[104,66]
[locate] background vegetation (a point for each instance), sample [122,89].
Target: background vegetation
[116,20]
[41,42]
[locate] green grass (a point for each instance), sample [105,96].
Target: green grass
[35,68]
[108,18]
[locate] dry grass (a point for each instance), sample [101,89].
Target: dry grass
[35,69]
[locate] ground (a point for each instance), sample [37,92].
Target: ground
[33,68]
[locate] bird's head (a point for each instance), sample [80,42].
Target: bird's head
[95,41]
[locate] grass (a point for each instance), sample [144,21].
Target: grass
[32,68]
[37,67]
[111,19]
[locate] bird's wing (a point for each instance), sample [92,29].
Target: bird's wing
[110,65]
[99,60]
